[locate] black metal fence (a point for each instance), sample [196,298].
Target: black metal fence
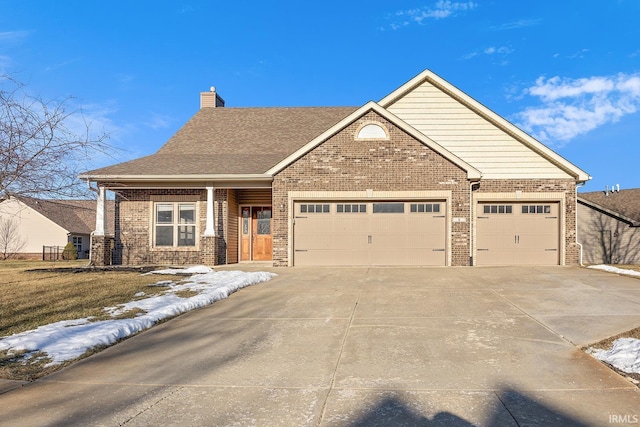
[52,253]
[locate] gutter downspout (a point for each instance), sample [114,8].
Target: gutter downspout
[471,211]
[577,242]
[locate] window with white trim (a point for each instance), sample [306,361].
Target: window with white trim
[77,242]
[175,224]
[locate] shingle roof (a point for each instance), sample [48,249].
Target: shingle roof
[75,216]
[233,141]
[624,202]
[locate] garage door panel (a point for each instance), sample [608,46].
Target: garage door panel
[388,233]
[518,233]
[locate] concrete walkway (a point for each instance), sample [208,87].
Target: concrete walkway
[363,347]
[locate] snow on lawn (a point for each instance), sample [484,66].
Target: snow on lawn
[617,270]
[70,339]
[624,355]
[625,352]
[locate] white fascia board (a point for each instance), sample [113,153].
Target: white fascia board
[496,119]
[176,178]
[472,173]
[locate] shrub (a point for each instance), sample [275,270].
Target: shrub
[70,252]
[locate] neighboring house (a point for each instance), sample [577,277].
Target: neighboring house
[426,176]
[609,226]
[40,223]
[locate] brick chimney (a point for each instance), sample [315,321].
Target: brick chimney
[210,99]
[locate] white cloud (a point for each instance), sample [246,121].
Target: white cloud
[502,50]
[572,107]
[8,36]
[492,50]
[521,23]
[440,10]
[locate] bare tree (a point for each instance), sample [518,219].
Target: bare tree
[41,151]
[10,240]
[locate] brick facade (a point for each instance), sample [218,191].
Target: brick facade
[401,163]
[102,250]
[134,228]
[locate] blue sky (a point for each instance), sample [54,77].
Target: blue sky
[568,72]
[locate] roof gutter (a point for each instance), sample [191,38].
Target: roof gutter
[176,178]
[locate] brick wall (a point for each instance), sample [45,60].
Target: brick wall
[134,225]
[102,250]
[401,163]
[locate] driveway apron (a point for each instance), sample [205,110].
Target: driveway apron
[360,347]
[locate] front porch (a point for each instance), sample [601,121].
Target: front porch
[185,226]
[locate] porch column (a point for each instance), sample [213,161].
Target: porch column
[210,229]
[101,217]
[101,244]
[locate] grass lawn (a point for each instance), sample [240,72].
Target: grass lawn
[36,298]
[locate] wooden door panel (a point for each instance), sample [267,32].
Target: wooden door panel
[245,234]
[262,234]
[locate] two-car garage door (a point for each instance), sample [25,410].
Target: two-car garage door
[518,234]
[369,233]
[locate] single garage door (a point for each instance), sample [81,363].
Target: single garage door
[518,234]
[371,233]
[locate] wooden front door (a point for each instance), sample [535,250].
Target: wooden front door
[255,234]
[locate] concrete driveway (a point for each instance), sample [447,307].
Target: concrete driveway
[363,347]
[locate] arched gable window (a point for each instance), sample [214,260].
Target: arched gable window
[372,130]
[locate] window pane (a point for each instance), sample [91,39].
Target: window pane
[363,208]
[303,208]
[339,208]
[318,208]
[347,208]
[414,207]
[264,226]
[436,207]
[501,209]
[311,209]
[164,235]
[186,235]
[547,209]
[264,214]
[487,209]
[325,208]
[494,208]
[388,208]
[245,220]
[525,209]
[429,207]
[509,209]
[187,214]
[164,213]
